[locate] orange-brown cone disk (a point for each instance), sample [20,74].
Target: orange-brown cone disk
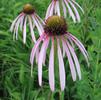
[28,9]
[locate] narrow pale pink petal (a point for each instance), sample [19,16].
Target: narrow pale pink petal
[44,59]
[75,39]
[82,50]
[75,59]
[70,11]
[40,19]
[24,31]
[64,9]
[17,26]
[33,25]
[71,42]
[38,27]
[72,68]
[61,67]
[58,8]
[78,5]
[37,55]
[31,28]
[63,50]
[13,23]
[81,47]
[76,12]
[51,67]
[55,7]
[48,11]
[52,9]
[40,61]
[16,29]
[34,49]
[21,22]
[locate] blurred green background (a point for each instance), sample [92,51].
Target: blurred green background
[15,80]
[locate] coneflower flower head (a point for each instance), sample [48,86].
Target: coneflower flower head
[28,9]
[55,25]
[27,14]
[56,6]
[55,32]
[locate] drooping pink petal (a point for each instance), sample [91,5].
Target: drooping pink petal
[21,22]
[13,23]
[72,68]
[75,59]
[74,38]
[70,11]
[44,59]
[63,51]
[76,12]
[71,42]
[16,28]
[40,25]
[24,31]
[78,5]
[31,28]
[83,52]
[51,67]
[52,9]
[35,48]
[61,67]
[33,25]
[40,61]
[40,19]
[37,55]
[55,8]
[33,52]
[64,8]
[58,8]
[48,10]
[81,47]
[37,25]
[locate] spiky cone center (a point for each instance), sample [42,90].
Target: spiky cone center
[28,9]
[55,25]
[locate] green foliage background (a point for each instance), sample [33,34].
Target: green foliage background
[15,80]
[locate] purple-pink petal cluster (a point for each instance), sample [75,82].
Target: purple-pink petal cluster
[67,40]
[21,22]
[71,5]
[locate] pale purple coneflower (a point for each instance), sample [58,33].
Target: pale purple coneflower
[28,14]
[62,43]
[55,9]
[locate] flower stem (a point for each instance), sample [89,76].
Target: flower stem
[56,61]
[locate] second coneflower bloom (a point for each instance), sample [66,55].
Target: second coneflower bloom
[62,43]
[56,6]
[27,15]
